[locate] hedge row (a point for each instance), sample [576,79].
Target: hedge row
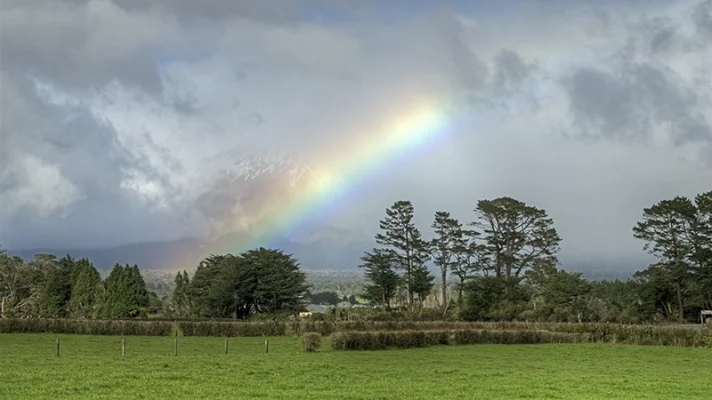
[596,332]
[388,339]
[406,339]
[232,329]
[88,327]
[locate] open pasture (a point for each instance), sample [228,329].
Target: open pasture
[91,367]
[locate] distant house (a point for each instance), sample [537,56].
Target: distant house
[344,304]
[316,308]
[705,315]
[305,314]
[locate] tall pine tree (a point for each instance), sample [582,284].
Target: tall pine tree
[443,246]
[404,240]
[667,229]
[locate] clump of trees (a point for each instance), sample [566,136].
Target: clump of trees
[52,288]
[678,232]
[238,286]
[504,265]
[500,265]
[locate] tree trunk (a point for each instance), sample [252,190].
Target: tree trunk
[2,308]
[459,293]
[444,276]
[383,300]
[680,307]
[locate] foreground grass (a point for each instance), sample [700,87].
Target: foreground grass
[90,367]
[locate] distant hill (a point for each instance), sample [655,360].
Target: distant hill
[317,249]
[328,249]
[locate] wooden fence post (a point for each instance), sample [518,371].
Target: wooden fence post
[226,348]
[266,346]
[175,347]
[123,348]
[57,347]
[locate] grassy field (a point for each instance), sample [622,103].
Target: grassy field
[90,367]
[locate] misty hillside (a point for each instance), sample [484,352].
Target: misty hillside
[323,249]
[327,249]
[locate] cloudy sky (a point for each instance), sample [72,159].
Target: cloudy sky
[128,121]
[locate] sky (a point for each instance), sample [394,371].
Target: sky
[131,121]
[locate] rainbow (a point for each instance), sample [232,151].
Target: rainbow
[388,143]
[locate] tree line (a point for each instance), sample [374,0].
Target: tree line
[501,265]
[504,264]
[55,288]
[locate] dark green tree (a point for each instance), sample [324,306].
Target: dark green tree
[491,297]
[383,281]
[198,291]
[423,282]
[55,293]
[444,246]
[702,251]
[126,293]
[326,298]
[86,283]
[257,281]
[667,229]
[54,286]
[470,258]
[564,293]
[404,240]
[14,285]
[181,297]
[517,236]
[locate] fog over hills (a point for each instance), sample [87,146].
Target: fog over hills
[326,249]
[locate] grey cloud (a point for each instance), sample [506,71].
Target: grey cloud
[702,15]
[275,11]
[471,72]
[511,70]
[82,44]
[630,103]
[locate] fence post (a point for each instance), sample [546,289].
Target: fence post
[266,346]
[175,346]
[123,348]
[226,348]
[57,350]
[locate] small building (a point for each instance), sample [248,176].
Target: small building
[305,314]
[344,304]
[317,308]
[704,315]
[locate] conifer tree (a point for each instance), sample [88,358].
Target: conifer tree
[404,240]
[382,278]
[85,282]
[667,229]
[443,247]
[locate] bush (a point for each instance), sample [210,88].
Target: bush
[311,341]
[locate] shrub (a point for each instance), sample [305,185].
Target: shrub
[311,341]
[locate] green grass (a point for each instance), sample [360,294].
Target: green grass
[90,367]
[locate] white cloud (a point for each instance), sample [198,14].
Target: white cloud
[43,188]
